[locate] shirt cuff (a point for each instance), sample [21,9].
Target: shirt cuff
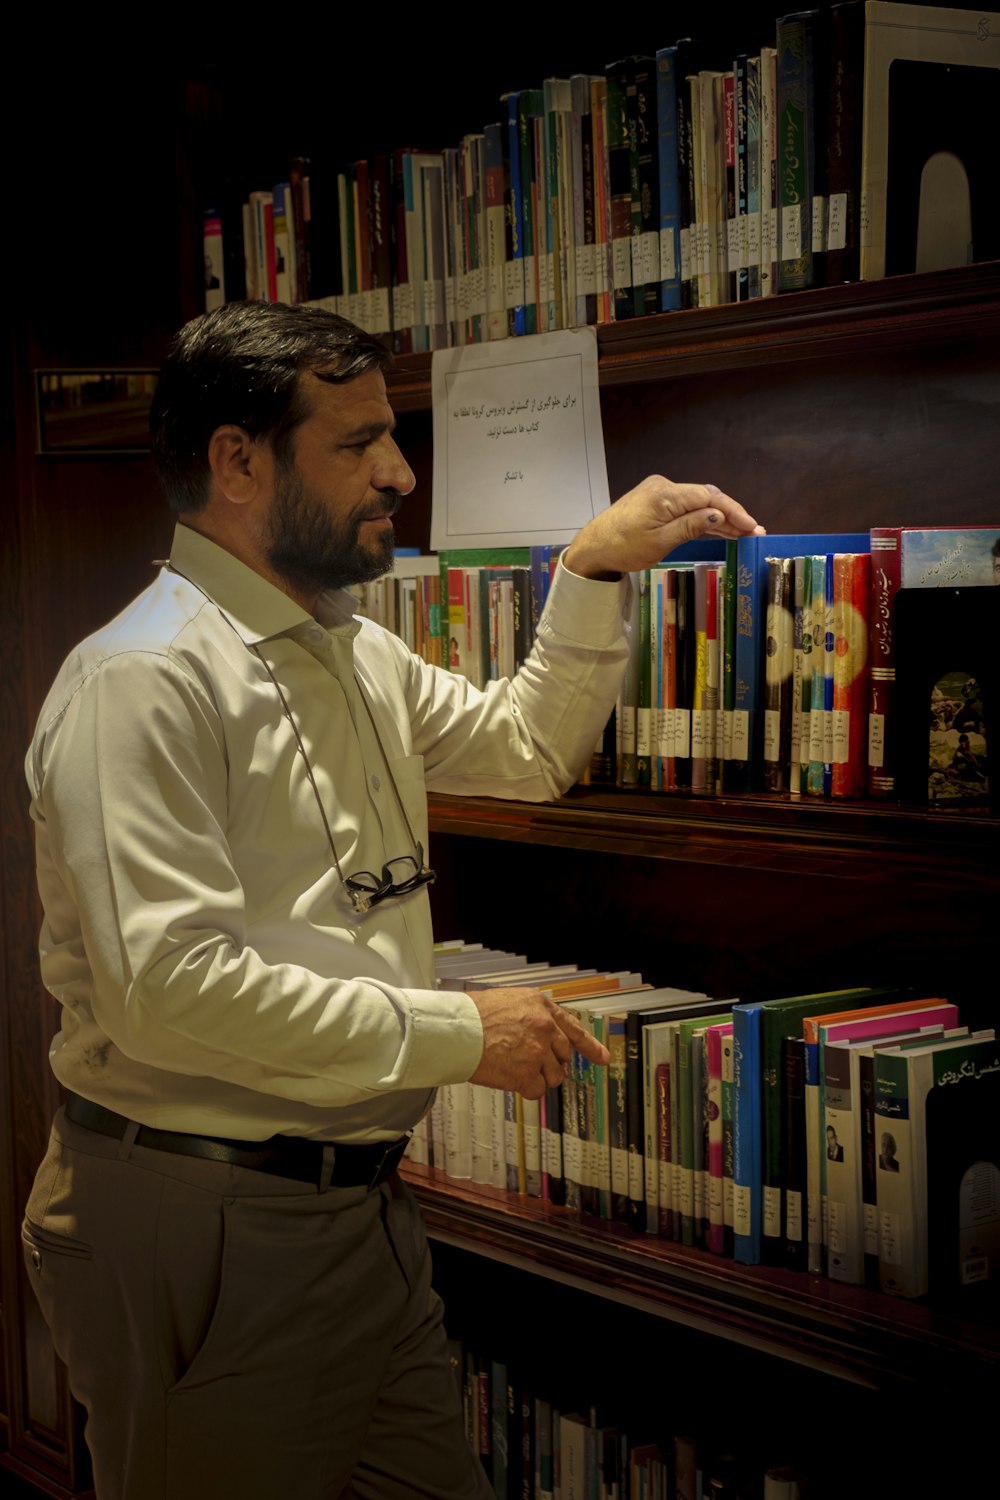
[585,610]
[446,1042]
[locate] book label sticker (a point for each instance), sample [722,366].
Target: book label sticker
[741,734]
[791,231]
[622,263]
[837,223]
[876,739]
[668,255]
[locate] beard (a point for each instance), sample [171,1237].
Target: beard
[312,550]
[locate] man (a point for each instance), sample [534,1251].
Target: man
[228,788]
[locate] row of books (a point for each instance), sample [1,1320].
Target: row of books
[534,1448]
[852,1133]
[764,664]
[670,180]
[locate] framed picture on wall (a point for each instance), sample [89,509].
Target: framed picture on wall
[93,411]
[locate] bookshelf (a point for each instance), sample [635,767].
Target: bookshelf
[757,895]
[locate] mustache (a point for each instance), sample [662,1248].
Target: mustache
[390,503]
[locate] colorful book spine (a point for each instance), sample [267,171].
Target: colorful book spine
[778,668]
[751,605]
[851,595]
[669,185]
[714,1038]
[620,183]
[796,148]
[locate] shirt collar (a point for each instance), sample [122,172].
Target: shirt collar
[257,610]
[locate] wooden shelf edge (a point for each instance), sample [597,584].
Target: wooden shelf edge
[953,305]
[860,841]
[857,1335]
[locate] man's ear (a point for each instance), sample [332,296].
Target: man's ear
[233,458]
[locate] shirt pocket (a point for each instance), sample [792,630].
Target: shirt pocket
[408,777]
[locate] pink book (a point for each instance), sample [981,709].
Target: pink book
[716,1202]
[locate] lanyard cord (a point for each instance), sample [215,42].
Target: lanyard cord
[286,709]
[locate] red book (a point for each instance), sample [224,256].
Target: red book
[851,595]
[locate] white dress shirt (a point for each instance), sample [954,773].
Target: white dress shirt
[213,974]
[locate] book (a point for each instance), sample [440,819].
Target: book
[620,187]
[758,1029]
[754,175]
[962,1132]
[769,241]
[643,127]
[669,184]
[819,769]
[715,1038]
[912,220]
[793,1151]
[800,121]
[649,1009]
[751,603]
[813,1036]
[902,1081]
[913,558]
[495,325]
[947,694]
[779,643]
[851,593]
[842,1145]
[843,140]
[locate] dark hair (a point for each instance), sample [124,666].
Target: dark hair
[995,549]
[241,364]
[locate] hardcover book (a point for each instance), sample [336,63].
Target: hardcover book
[913,558]
[947,694]
[903,1080]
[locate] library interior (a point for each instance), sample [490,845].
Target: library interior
[780,235]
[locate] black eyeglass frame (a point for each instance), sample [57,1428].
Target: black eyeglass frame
[366,889]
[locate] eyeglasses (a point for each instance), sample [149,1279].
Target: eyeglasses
[366,889]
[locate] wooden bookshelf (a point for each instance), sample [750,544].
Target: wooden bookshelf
[856,319]
[844,1331]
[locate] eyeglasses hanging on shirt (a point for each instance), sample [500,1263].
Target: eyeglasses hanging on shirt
[399,876]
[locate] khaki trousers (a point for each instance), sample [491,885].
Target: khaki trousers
[235,1334]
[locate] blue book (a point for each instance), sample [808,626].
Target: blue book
[670,205]
[752,553]
[541,577]
[515,209]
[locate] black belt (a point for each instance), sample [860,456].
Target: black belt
[282,1155]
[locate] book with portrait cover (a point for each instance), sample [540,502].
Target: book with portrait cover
[843,1134]
[903,1080]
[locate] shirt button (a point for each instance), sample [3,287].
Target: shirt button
[315,634]
[376,783]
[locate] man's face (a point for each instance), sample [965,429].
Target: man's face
[329,521]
